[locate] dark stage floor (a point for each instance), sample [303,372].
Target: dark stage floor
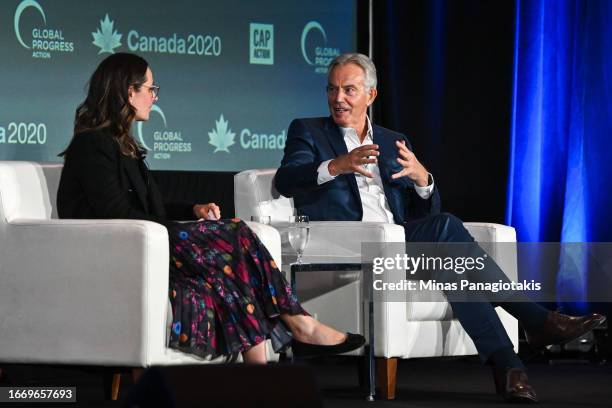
[421,383]
[466,383]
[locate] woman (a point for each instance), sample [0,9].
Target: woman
[226,292]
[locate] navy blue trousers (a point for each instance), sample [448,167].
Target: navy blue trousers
[477,312]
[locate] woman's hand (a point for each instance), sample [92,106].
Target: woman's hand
[210,211]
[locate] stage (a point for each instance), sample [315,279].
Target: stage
[456,382]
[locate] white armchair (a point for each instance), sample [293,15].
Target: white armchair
[402,330]
[91,292]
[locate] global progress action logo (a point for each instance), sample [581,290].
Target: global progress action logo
[43,40]
[107,38]
[315,50]
[163,143]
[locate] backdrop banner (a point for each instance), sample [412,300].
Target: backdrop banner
[233,74]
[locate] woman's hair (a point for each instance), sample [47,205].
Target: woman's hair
[107,103]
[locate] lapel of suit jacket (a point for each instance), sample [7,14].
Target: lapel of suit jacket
[387,150]
[338,145]
[132,170]
[387,161]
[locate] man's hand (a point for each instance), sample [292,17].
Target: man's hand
[353,162]
[412,168]
[204,211]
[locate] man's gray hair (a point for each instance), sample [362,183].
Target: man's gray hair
[360,60]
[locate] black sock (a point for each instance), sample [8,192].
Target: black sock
[505,358]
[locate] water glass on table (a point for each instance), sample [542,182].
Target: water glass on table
[299,234]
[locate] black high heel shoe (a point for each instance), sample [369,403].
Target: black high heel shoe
[306,350]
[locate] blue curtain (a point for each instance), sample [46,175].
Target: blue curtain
[561,155]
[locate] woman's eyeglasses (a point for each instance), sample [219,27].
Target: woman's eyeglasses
[153,89]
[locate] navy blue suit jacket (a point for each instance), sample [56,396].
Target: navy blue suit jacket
[314,140]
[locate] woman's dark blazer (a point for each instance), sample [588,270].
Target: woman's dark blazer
[99,182]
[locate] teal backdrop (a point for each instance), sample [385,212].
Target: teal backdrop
[232,74]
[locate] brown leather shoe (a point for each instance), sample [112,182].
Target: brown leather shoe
[513,386]
[559,328]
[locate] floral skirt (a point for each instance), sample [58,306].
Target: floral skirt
[225,289]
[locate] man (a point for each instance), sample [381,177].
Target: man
[343,167]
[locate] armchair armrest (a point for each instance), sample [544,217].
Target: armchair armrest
[83,291]
[500,243]
[491,232]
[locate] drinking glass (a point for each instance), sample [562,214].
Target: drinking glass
[299,233]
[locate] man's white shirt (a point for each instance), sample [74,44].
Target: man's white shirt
[373,199]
